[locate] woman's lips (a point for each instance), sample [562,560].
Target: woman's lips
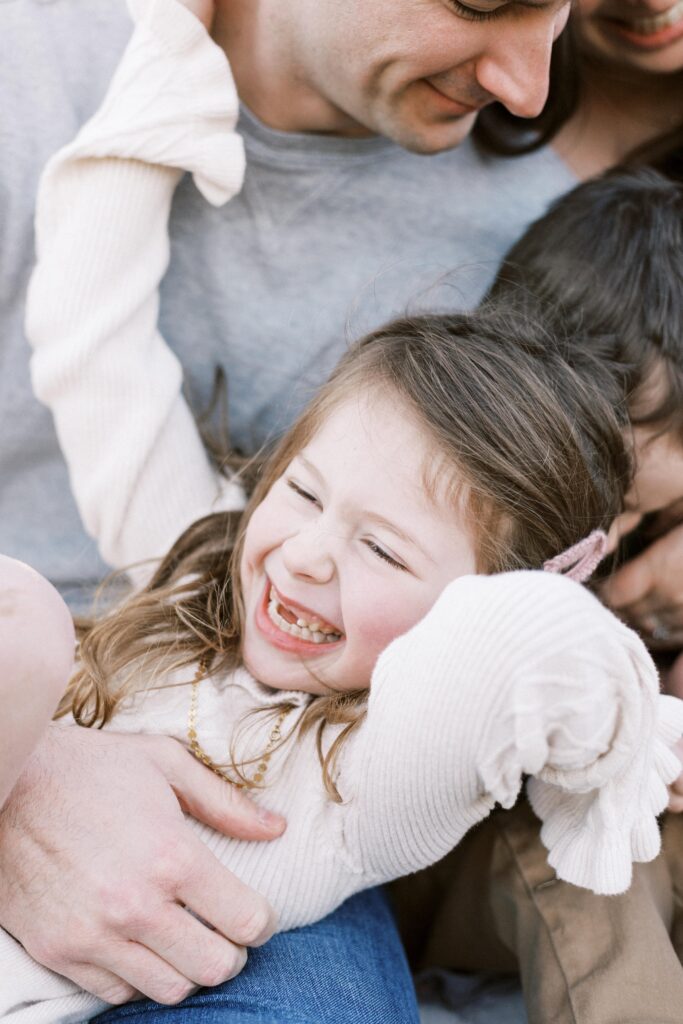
[285,641]
[643,34]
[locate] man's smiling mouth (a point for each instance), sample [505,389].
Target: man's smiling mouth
[291,621]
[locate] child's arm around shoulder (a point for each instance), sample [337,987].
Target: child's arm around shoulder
[137,465]
[36,658]
[519,674]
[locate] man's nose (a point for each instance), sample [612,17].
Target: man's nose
[308,554]
[515,68]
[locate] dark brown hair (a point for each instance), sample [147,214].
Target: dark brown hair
[605,267]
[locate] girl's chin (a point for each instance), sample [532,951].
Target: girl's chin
[282,677]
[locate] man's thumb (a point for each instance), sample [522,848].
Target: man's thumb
[218,803]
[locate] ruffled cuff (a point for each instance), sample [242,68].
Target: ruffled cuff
[594,836]
[172,102]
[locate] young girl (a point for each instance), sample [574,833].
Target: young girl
[314,648]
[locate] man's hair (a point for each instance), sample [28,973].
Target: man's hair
[604,268]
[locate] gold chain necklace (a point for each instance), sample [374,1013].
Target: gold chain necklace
[201,755]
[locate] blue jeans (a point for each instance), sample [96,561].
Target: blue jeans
[349,968]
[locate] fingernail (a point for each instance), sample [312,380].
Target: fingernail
[271,820]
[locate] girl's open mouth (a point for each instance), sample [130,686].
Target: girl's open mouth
[290,621]
[290,627]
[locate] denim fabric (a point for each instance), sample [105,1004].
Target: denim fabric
[347,969]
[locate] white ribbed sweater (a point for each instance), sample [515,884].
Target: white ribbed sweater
[523,673]
[518,674]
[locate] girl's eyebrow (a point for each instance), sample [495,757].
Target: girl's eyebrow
[311,468]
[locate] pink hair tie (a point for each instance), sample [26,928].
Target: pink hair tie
[580,561]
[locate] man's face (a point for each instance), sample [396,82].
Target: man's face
[416,71]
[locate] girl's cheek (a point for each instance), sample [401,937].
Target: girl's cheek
[384,621]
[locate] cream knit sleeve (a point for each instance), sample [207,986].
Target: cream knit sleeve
[137,465]
[519,674]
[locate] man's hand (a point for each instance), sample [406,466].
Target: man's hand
[648,591]
[97,864]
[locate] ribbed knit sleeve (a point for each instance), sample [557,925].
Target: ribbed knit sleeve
[137,465]
[519,674]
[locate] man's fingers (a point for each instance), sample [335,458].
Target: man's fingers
[211,799]
[673,680]
[631,583]
[102,983]
[197,953]
[147,973]
[654,613]
[237,912]
[675,804]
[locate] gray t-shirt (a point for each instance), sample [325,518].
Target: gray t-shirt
[329,238]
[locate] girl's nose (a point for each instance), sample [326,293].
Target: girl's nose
[308,554]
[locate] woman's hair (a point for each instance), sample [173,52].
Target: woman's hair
[605,266]
[531,449]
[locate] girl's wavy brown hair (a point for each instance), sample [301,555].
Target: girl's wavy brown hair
[531,447]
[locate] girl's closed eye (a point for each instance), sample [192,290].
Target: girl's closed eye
[384,555]
[302,492]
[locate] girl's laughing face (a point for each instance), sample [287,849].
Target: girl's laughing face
[349,550]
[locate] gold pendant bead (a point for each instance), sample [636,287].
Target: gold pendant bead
[201,755]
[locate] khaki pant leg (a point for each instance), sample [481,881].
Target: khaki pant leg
[672,843]
[583,959]
[587,959]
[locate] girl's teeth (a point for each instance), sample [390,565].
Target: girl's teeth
[311,631]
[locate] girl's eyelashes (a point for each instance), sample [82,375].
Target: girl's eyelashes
[307,496]
[473,13]
[381,553]
[302,492]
